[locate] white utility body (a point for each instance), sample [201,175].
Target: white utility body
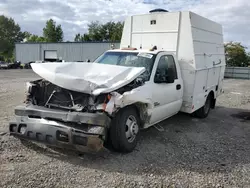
[196,44]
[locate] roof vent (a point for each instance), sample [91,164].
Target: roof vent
[158,10]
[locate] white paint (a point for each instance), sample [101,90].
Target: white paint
[197,43]
[169,99]
[92,78]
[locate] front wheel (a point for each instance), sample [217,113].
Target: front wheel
[124,130]
[204,111]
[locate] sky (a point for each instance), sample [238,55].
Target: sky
[74,15]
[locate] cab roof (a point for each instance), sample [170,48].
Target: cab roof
[136,51]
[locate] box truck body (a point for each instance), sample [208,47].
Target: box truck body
[197,43]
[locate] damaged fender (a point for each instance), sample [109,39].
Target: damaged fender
[140,95]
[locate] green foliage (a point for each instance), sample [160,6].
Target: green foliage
[236,55]
[81,38]
[26,34]
[52,32]
[10,33]
[35,38]
[110,31]
[78,38]
[86,37]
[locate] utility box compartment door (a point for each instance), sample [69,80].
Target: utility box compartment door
[50,54]
[155,29]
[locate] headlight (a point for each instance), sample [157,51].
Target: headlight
[29,87]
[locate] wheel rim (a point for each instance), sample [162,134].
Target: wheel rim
[131,128]
[207,105]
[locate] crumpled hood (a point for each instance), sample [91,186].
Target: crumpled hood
[91,78]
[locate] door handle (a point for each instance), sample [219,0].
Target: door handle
[178,86]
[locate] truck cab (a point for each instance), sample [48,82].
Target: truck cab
[162,78]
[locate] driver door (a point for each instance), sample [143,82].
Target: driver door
[167,88]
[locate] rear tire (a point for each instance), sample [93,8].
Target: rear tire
[123,133]
[204,111]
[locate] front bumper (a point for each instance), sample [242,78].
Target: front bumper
[73,130]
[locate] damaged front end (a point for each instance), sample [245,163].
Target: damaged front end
[64,118]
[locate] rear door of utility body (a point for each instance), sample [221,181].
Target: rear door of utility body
[167,87]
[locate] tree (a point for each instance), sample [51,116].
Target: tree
[35,38]
[94,31]
[26,34]
[52,32]
[117,35]
[10,33]
[86,37]
[78,38]
[110,31]
[81,38]
[236,55]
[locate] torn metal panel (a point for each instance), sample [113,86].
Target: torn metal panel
[90,78]
[140,95]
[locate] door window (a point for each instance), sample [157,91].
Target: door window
[166,70]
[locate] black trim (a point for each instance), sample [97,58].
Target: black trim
[56,135]
[178,86]
[158,10]
[97,119]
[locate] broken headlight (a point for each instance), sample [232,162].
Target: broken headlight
[29,87]
[29,93]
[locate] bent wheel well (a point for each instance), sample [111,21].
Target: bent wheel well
[141,109]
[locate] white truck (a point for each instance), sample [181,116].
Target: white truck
[167,62]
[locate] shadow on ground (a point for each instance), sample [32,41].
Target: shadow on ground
[218,143]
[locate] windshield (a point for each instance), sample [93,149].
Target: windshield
[129,59]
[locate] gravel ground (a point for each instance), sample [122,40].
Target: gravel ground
[214,152]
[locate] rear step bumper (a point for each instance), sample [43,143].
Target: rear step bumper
[74,130]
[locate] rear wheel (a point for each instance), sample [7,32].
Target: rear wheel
[124,130]
[204,111]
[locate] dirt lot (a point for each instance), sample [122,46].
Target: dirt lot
[214,152]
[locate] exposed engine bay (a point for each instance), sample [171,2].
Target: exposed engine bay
[44,93]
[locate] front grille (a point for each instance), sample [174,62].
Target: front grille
[62,99]
[56,97]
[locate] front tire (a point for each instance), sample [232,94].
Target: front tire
[124,130]
[204,111]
